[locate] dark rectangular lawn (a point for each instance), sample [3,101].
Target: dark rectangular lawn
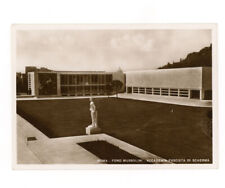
[169,131]
[110,153]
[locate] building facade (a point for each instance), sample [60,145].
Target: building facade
[69,83]
[193,83]
[88,83]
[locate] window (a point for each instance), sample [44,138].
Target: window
[142,90]
[165,91]
[87,90]
[183,93]
[79,90]
[94,90]
[79,79]
[64,90]
[70,79]
[86,79]
[74,79]
[149,90]
[173,92]
[135,89]
[94,79]
[156,91]
[99,79]
[63,79]
[101,89]
[102,79]
[71,90]
[108,78]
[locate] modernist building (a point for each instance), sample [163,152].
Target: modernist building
[71,83]
[195,83]
[192,83]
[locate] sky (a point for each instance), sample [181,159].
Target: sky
[105,50]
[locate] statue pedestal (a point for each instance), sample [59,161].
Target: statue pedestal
[92,130]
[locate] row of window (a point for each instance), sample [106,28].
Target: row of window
[85,90]
[159,91]
[193,93]
[70,79]
[29,81]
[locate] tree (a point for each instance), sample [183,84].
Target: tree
[47,83]
[117,86]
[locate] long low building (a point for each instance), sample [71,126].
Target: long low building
[193,83]
[69,83]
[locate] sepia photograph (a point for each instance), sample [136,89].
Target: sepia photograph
[114,96]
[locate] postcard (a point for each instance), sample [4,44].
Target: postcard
[114,96]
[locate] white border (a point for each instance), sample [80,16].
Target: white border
[196,26]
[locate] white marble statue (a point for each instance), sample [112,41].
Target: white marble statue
[93,113]
[93,128]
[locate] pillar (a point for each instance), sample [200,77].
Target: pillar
[36,81]
[189,93]
[58,85]
[202,94]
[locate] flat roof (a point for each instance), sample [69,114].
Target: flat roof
[165,70]
[76,72]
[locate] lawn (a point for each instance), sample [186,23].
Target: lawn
[169,131]
[111,154]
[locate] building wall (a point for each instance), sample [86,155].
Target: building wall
[182,82]
[207,78]
[193,83]
[207,83]
[169,78]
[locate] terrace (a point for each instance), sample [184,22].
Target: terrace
[166,130]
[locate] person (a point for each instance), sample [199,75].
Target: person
[93,113]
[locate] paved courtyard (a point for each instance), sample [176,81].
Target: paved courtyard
[168,100]
[168,131]
[65,150]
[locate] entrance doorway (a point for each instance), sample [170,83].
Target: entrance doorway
[195,94]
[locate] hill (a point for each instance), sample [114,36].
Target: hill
[203,58]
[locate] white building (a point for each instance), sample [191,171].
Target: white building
[193,82]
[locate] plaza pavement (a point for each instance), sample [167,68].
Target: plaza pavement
[152,98]
[168,99]
[45,150]
[65,150]
[64,97]
[24,129]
